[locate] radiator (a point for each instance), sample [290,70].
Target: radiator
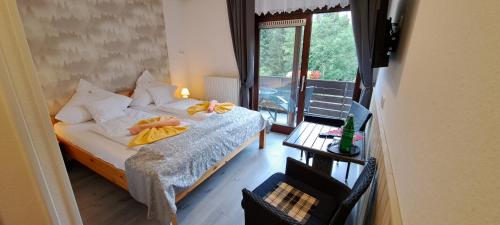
[222,89]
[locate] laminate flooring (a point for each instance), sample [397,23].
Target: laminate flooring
[215,202]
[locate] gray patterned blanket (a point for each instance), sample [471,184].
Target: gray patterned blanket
[161,170]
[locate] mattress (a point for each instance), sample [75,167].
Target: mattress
[83,136]
[110,149]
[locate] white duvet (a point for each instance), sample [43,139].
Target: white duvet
[179,108]
[117,129]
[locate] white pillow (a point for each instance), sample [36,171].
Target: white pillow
[108,108]
[141,97]
[73,111]
[162,94]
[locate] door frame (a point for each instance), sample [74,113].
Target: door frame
[306,43]
[29,119]
[305,50]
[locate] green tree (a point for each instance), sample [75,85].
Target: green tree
[332,50]
[276,51]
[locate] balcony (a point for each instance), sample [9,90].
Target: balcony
[329,99]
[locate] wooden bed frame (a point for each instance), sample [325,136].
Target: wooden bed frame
[118,177]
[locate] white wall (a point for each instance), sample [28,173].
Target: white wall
[439,101]
[199,42]
[21,201]
[34,186]
[174,23]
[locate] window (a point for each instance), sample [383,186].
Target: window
[307,65]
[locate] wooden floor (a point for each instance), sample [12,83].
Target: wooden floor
[215,202]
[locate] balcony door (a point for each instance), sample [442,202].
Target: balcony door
[282,42]
[306,65]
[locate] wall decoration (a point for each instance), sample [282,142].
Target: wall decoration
[107,42]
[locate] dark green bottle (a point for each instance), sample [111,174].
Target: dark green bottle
[347,135]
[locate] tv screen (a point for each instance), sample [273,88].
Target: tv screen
[381,42]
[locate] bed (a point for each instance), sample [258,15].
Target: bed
[107,157]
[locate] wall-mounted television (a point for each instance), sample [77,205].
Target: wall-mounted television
[386,37]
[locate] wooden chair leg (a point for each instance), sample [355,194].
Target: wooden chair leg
[174,220]
[262,139]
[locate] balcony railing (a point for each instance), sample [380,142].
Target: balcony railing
[330,99]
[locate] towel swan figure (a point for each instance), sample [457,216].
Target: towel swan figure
[155,129]
[209,107]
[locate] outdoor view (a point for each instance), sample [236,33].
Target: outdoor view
[332,53]
[331,73]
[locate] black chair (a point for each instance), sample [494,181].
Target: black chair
[336,200]
[361,117]
[308,97]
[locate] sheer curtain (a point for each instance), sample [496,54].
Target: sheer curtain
[279,6]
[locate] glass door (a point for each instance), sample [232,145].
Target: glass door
[306,66]
[279,70]
[332,66]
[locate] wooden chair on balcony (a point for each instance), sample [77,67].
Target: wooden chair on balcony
[278,104]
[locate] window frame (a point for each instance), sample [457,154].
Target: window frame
[298,14]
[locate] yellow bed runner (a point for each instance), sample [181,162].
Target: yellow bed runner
[203,107]
[154,134]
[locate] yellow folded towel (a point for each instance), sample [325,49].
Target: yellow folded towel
[203,107]
[151,135]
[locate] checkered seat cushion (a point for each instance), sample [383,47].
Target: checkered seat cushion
[292,201]
[322,207]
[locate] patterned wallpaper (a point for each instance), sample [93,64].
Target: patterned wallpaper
[107,42]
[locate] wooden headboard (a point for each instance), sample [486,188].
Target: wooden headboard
[127,93]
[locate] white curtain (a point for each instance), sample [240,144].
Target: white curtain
[279,6]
